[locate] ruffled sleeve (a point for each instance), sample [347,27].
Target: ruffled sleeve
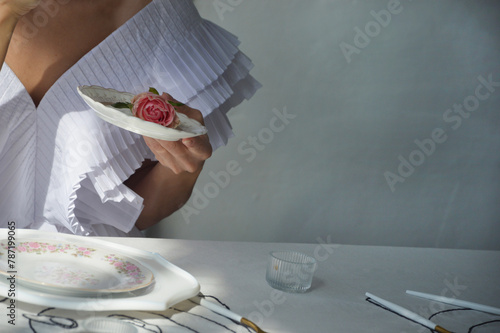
[195,60]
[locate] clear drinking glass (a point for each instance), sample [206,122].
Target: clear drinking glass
[290,271]
[107,325]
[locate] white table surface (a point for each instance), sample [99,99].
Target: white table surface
[234,272]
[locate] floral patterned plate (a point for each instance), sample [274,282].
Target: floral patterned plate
[70,268]
[171,284]
[100,100]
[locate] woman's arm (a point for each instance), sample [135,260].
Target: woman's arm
[10,13]
[8,22]
[167,185]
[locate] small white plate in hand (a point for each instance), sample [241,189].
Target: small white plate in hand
[100,100]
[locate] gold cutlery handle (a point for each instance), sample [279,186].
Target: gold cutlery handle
[248,323]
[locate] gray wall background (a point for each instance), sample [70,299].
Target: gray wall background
[405,98]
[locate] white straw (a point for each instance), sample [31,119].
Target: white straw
[218,309]
[402,311]
[457,302]
[227,313]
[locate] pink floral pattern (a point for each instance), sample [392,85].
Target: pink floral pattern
[133,273]
[44,247]
[78,278]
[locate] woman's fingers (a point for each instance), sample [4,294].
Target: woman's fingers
[186,155]
[199,146]
[163,151]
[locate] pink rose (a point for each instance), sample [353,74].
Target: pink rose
[155,108]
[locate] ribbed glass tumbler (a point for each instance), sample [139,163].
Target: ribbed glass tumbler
[290,271]
[107,325]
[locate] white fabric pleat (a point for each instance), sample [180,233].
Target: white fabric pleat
[17,153]
[72,163]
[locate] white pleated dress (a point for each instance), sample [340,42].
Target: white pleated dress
[62,168]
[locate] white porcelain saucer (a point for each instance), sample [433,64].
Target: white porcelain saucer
[100,100]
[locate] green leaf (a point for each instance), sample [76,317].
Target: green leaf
[153,90]
[176,104]
[123,105]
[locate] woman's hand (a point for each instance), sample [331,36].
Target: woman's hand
[186,155]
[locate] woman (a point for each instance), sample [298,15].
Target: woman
[64,169]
